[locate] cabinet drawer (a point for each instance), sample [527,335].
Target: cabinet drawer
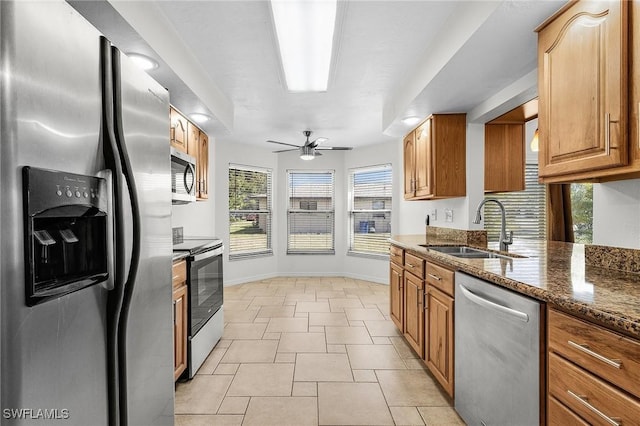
[439,277]
[396,255]
[558,414]
[591,398]
[414,264]
[179,275]
[604,353]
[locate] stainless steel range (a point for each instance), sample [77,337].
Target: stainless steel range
[205,287]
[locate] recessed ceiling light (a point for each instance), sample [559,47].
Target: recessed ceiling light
[144,62]
[304,31]
[411,120]
[199,117]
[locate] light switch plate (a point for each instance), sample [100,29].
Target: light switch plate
[433,216]
[448,215]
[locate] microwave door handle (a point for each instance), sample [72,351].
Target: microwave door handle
[136,245]
[187,170]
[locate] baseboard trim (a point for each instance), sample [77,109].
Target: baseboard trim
[245,280]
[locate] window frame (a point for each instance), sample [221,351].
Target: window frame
[374,210]
[291,212]
[268,211]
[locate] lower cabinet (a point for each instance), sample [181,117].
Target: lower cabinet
[439,336]
[396,295]
[414,312]
[180,301]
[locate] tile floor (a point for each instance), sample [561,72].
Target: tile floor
[311,351]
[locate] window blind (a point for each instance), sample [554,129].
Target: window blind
[525,210]
[370,195]
[250,194]
[311,212]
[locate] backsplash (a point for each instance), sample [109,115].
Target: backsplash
[621,259]
[458,236]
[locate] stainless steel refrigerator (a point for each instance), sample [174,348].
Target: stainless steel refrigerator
[85,241]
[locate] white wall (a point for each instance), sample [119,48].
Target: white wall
[616,213]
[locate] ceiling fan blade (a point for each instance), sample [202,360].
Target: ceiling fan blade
[282,143]
[334,148]
[286,150]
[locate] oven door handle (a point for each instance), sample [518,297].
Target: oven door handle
[207,254]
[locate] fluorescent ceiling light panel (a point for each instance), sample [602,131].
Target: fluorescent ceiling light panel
[304,29]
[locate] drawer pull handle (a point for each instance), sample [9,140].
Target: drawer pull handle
[435,277]
[615,421]
[585,348]
[411,265]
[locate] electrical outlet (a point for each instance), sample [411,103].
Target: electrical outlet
[433,215]
[448,215]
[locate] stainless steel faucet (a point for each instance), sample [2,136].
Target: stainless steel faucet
[504,241]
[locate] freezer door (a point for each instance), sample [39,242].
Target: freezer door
[145,124]
[52,355]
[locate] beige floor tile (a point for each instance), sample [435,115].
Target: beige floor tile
[271,336]
[262,380]
[251,351]
[262,320]
[235,305]
[374,357]
[339,305]
[234,405]
[305,389]
[226,369]
[359,291]
[365,376]
[291,325]
[244,331]
[330,294]
[201,395]
[209,420]
[212,361]
[301,315]
[312,307]
[352,404]
[276,311]
[267,301]
[356,323]
[415,364]
[286,357]
[403,348]
[381,340]
[224,343]
[416,388]
[440,416]
[231,315]
[316,329]
[362,314]
[271,411]
[381,328]
[261,291]
[337,349]
[301,297]
[302,342]
[330,318]
[406,416]
[347,335]
[322,368]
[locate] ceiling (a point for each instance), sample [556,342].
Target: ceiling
[391,59]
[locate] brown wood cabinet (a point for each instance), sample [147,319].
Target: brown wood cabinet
[583,85]
[504,157]
[436,166]
[396,287]
[414,312]
[180,301]
[198,147]
[593,373]
[179,126]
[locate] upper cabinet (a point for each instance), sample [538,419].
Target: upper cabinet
[504,157]
[187,137]
[435,158]
[583,87]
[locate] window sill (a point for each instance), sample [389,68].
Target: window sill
[234,257]
[377,256]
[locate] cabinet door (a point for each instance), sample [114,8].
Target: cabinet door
[414,312]
[582,80]
[202,172]
[396,296]
[439,337]
[178,130]
[179,331]
[423,159]
[504,157]
[409,145]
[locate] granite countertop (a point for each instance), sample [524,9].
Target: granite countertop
[552,272]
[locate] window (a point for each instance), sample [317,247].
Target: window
[582,212]
[370,190]
[249,211]
[526,210]
[311,212]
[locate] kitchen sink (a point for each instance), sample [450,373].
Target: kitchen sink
[466,252]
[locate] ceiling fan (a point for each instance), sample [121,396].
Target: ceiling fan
[310,149]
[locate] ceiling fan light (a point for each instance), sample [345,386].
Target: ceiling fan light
[307,153]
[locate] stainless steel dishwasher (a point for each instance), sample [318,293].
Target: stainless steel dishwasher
[497,354]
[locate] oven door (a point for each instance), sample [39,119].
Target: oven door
[205,287]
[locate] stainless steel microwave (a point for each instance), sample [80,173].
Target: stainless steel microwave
[183,177]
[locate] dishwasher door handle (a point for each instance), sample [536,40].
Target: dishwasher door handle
[521,316]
